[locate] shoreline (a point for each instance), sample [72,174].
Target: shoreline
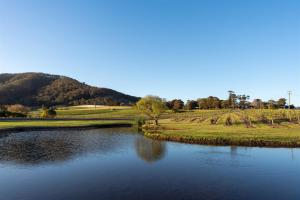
[214,141]
[190,134]
[51,128]
[61,119]
[219,141]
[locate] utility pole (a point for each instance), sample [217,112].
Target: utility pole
[290,93]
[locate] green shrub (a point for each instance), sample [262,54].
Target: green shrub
[48,113]
[2,113]
[213,120]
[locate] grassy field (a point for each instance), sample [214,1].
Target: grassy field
[93,112]
[274,128]
[223,127]
[77,112]
[287,134]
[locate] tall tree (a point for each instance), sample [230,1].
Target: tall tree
[243,101]
[213,102]
[257,104]
[281,102]
[232,99]
[202,103]
[225,104]
[191,105]
[152,106]
[272,104]
[177,104]
[209,103]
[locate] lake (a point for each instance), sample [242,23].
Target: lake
[123,164]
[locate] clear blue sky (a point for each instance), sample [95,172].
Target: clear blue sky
[171,48]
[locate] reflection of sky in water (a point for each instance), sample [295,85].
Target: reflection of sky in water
[121,164]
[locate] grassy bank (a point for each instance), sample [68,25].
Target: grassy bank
[274,128]
[82,115]
[279,135]
[57,124]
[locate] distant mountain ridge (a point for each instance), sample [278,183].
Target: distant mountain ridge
[36,89]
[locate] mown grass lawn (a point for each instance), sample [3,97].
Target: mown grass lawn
[92,112]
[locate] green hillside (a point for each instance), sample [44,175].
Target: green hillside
[36,89]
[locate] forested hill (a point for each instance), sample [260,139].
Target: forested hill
[36,89]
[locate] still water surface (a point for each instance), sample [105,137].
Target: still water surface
[122,164]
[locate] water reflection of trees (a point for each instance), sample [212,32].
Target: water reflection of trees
[150,150]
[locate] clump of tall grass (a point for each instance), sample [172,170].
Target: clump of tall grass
[298,117]
[246,118]
[228,121]
[294,116]
[213,120]
[270,118]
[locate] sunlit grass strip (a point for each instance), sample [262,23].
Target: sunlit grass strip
[69,112]
[62,123]
[225,141]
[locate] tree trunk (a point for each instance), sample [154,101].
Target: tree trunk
[156,122]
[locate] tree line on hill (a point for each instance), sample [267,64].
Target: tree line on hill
[151,103]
